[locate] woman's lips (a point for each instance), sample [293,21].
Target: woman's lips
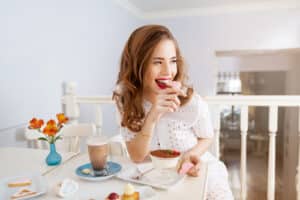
[162,83]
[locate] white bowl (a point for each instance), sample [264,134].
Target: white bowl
[163,163]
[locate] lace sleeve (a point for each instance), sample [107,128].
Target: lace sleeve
[203,125]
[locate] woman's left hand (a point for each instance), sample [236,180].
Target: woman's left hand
[192,162]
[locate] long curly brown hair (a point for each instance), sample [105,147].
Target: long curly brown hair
[134,60]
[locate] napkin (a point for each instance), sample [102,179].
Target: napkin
[143,167]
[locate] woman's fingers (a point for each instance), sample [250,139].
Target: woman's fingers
[171,102]
[173,98]
[195,170]
[185,167]
[171,105]
[173,90]
[167,99]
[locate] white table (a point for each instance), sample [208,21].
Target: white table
[18,161]
[190,188]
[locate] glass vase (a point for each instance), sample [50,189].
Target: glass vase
[53,157]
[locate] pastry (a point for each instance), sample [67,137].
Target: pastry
[22,193]
[19,183]
[113,196]
[185,168]
[130,193]
[86,171]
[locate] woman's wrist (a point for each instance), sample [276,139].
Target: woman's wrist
[152,116]
[191,152]
[148,126]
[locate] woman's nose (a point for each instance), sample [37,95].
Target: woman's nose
[166,70]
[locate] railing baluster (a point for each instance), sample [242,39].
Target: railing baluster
[273,120]
[244,129]
[98,119]
[70,106]
[298,167]
[216,125]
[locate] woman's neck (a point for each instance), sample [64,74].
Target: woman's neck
[149,96]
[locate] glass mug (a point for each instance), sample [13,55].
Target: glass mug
[98,149]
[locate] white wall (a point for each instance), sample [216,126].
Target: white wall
[256,63]
[199,37]
[44,43]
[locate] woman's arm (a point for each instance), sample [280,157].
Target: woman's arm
[166,101]
[138,147]
[193,155]
[201,147]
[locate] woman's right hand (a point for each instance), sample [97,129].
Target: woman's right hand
[167,100]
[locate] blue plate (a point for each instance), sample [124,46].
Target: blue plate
[112,169]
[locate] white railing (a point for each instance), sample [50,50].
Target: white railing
[272,102]
[71,103]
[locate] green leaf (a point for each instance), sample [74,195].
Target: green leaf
[42,138]
[57,138]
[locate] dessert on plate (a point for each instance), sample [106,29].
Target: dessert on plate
[164,158]
[130,193]
[23,192]
[19,183]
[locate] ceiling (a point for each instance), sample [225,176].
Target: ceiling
[169,8]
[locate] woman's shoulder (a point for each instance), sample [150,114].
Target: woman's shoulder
[196,102]
[197,106]
[187,113]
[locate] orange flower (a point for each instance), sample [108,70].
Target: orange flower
[62,118]
[51,122]
[51,128]
[36,123]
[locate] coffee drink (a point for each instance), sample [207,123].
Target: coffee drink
[98,152]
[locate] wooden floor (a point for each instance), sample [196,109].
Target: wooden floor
[256,175]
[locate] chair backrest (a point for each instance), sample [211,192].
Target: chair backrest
[72,134]
[71,107]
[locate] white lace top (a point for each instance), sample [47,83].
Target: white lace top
[179,130]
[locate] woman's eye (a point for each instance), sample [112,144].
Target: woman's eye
[174,61]
[157,62]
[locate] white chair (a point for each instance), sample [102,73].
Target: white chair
[118,146]
[72,135]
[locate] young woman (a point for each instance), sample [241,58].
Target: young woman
[160,111]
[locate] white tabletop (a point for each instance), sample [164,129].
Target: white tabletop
[189,188]
[19,161]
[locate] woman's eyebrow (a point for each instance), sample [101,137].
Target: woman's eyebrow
[161,58]
[158,58]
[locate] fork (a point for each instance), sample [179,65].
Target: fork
[139,176]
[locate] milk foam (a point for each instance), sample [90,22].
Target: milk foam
[96,141]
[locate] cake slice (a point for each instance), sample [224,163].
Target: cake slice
[22,193]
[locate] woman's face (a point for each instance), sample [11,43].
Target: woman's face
[162,66]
